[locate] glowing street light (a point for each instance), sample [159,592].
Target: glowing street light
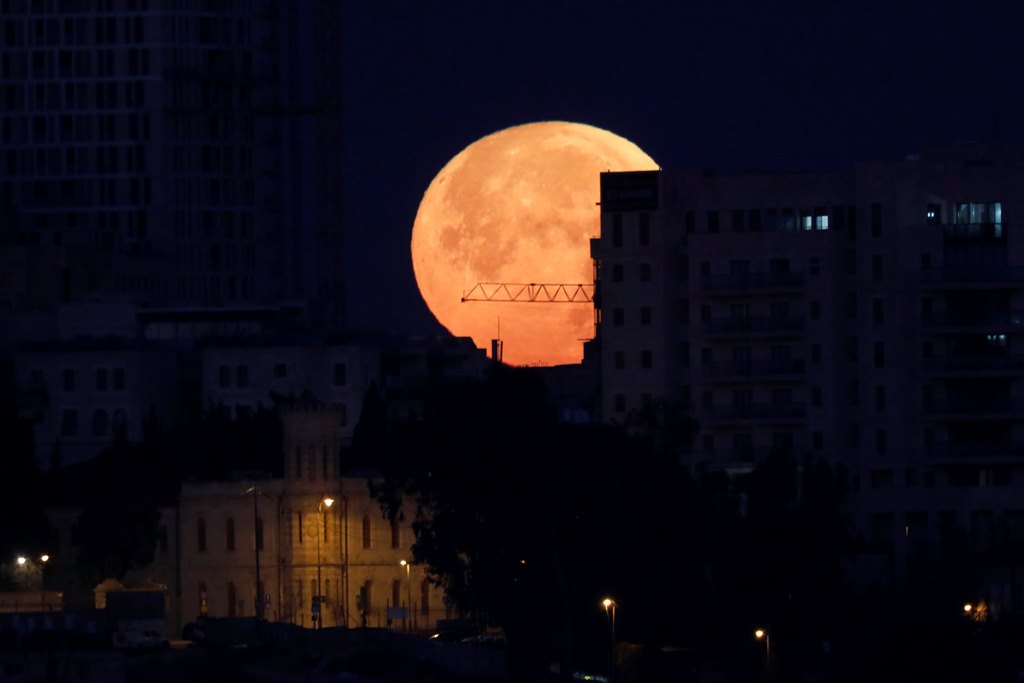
[408,593]
[609,612]
[22,560]
[968,607]
[761,634]
[44,558]
[325,502]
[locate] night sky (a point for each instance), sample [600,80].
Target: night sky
[731,86]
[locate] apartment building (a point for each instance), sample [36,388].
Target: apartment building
[168,154]
[872,317]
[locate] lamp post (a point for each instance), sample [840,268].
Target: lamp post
[256,537]
[609,612]
[761,634]
[408,594]
[325,502]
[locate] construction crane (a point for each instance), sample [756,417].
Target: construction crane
[531,293]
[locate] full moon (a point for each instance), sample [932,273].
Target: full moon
[518,206]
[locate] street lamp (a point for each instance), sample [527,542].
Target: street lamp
[408,594]
[609,612]
[761,634]
[325,502]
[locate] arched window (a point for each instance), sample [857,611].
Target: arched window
[204,607]
[366,531]
[425,597]
[229,534]
[396,533]
[232,600]
[365,596]
[396,592]
[201,535]
[100,423]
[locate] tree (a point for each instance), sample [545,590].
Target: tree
[526,522]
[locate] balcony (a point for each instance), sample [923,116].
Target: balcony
[967,453]
[975,408]
[770,326]
[975,365]
[996,276]
[764,369]
[774,412]
[1010,321]
[744,282]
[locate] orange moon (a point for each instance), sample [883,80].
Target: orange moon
[518,206]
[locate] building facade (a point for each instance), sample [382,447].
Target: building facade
[870,317]
[162,154]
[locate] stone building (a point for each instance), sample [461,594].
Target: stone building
[346,552]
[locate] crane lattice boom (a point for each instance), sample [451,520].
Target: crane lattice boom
[514,292]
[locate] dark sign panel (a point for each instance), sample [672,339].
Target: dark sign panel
[629,191]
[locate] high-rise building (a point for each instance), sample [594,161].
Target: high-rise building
[169,154]
[873,317]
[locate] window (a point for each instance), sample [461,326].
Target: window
[879,355]
[620,360]
[880,399]
[645,272]
[101,379]
[620,403]
[201,535]
[229,534]
[817,441]
[118,379]
[242,376]
[876,220]
[617,272]
[396,534]
[69,422]
[340,374]
[616,229]
[259,534]
[712,221]
[203,600]
[816,353]
[816,397]
[69,379]
[645,315]
[366,532]
[100,423]
[878,311]
[299,524]
[691,222]
[880,442]
[224,376]
[737,220]
[815,310]
[814,265]
[618,317]
[280,370]
[646,359]
[645,229]
[876,266]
